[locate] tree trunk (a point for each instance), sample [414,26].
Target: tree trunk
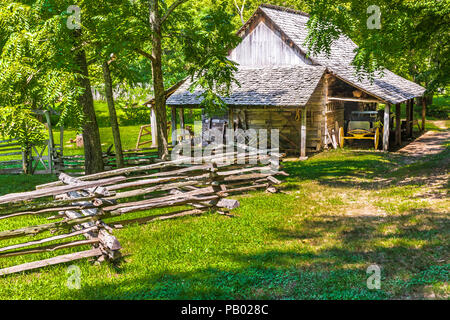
[158,81]
[91,135]
[113,115]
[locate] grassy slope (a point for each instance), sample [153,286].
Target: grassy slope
[339,212]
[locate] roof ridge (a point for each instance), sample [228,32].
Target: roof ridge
[297,66]
[283,9]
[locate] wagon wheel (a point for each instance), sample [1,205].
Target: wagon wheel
[341,137]
[376,139]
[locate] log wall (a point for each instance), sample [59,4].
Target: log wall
[287,120]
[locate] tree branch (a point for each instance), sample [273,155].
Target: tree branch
[171,9]
[240,10]
[145,54]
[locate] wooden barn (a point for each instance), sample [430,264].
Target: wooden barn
[307,98]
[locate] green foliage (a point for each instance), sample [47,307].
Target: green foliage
[35,59]
[206,48]
[440,109]
[413,40]
[20,123]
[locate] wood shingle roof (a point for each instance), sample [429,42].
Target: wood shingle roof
[275,86]
[388,86]
[293,86]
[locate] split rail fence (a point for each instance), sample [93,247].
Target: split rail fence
[74,165]
[81,213]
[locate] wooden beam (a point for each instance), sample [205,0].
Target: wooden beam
[154,130]
[424,111]
[52,261]
[230,118]
[412,116]
[408,118]
[51,143]
[398,129]
[387,109]
[353,100]
[303,134]
[174,125]
[181,115]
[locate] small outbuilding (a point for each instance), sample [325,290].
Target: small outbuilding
[307,98]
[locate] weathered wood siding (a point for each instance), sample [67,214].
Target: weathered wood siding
[320,116]
[264,47]
[315,116]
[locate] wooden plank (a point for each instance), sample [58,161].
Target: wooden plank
[408,118]
[52,261]
[31,195]
[398,129]
[386,127]
[33,230]
[8,141]
[424,111]
[172,215]
[48,210]
[354,100]
[202,191]
[170,203]
[50,248]
[11,171]
[41,241]
[122,171]
[154,129]
[10,154]
[174,124]
[303,134]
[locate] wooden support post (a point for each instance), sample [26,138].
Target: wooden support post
[408,118]
[412,116]
[174,125]
[424,110]
[230,118]
[181,115]
[398,124]
[303,134]
[324,112]
[51,143]
[154,130]
[387,109]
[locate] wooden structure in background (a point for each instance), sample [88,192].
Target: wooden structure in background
[48,155]
[307,98]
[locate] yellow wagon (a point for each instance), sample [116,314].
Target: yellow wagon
[364,128]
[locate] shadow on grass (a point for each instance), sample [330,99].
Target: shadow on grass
[362,169]
[328,261]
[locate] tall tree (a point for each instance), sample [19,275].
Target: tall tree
[112,113]
[91,135]
[411,38]
[199,40]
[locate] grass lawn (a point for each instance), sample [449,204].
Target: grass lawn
[338,213]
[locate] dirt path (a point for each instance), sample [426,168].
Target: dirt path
[430,143]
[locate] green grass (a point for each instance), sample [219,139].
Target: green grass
[440,109]
[338,213]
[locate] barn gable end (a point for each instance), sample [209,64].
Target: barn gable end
[264,46]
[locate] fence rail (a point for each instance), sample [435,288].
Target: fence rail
[89,206]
